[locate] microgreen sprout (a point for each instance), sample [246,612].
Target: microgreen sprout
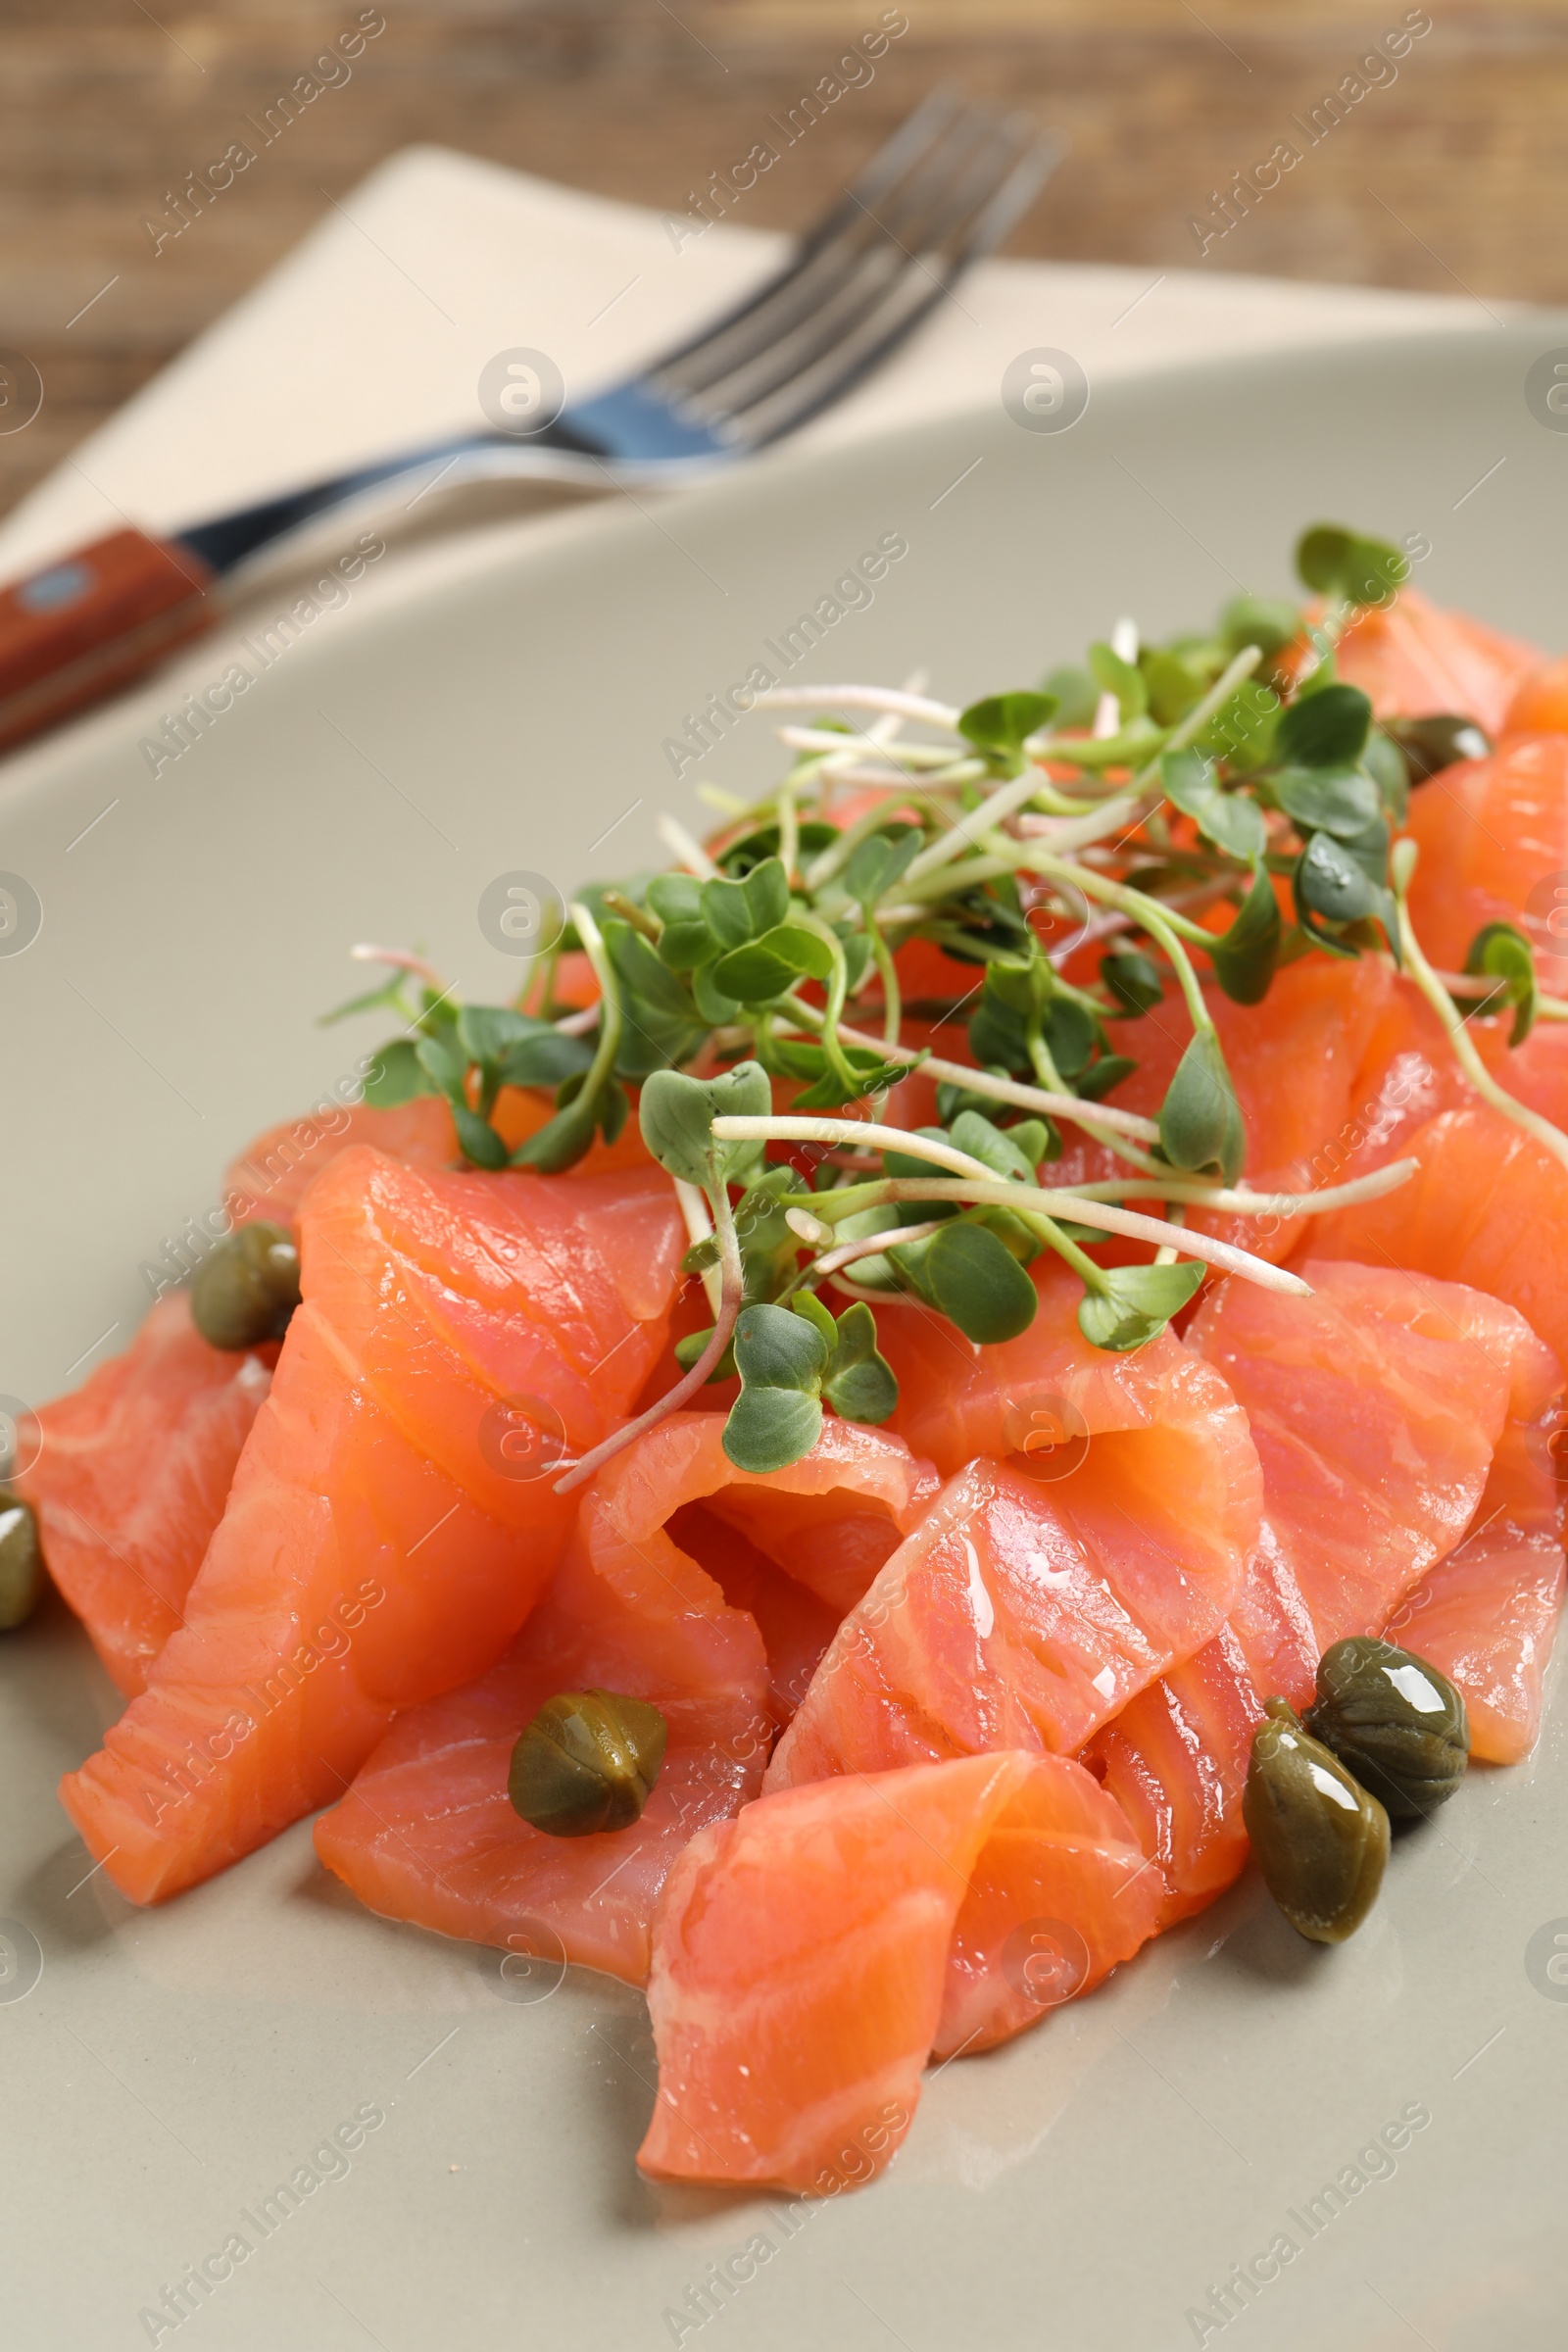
[1163,823]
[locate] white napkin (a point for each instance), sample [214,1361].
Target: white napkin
[370,336]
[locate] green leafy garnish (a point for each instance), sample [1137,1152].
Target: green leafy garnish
[1501,951]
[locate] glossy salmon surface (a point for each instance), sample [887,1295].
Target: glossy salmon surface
[427,1831]
[1387,1411]
[392,1519]
[1418,659]
[1040,1592]
[131,1478]
[809,1955]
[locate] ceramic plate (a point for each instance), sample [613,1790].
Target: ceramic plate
[508,708]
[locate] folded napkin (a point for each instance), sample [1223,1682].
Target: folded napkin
[372,335]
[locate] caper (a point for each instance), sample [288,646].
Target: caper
[21,1562]
[1396,1722]
[1320,1840]
[247,1287]
[1431,744]
[587,1762]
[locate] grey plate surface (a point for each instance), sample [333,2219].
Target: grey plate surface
[1086,2186]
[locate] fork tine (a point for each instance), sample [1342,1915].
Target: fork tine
[828,375]
[918,218]
[921,132]
[894,288]
[849,266]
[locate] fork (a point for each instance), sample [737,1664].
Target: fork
[943,190]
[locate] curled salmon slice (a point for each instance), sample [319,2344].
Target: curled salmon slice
[1294,1060]
[1488,1207]
[655,1598]
[1418,659]
[811,1954]
[1488,1612]
[131,1476]
[1384,1408]
[273,1174]
[1375,1406]
[1493,836]
[427,1831]
[1041,1591]
[392,1519]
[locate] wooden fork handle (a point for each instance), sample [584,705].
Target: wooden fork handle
[91,621]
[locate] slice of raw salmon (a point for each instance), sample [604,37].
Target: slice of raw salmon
[794,1624]
[1376,1405]
[1294,1060]
[1041,1591]
[392,1518]
[1175,1760]
[1409,1073]
[131,1478]
[1418,659]
[1487,1613]
[1540,706]
[1489,1208]
[270,1176]
[427,1832]
[1493,836]
[809,1954]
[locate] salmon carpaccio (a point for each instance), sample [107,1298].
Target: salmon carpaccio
[811,1954]
[427,1831]
[1418,660]
[1389,1412]
[392,1519]
[1487,1204]
[1042,1592]
[1295,1061]
[273,1174]
[131,1477]
[1493,844]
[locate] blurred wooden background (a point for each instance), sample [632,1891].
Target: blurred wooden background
[1451,178]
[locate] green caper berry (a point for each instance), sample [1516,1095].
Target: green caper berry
[587,1762]
[1396,1722]
[1431,744]
[1321,1842]
[21,1562]
[246,1287]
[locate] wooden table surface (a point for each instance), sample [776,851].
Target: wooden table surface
[1446,172]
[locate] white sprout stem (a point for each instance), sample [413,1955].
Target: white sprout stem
[1071,1108]
[1437,995]
[366,951]
[980,1187]
[909,784]
[699,1228]
[724,804]
[1118,815]
[1486,983]
[872,1245]
[1238,1201]
[859,698]
[861,1133]
[907,755]
[854,1290]
[578,1024]
[1006,800]
[691,853]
